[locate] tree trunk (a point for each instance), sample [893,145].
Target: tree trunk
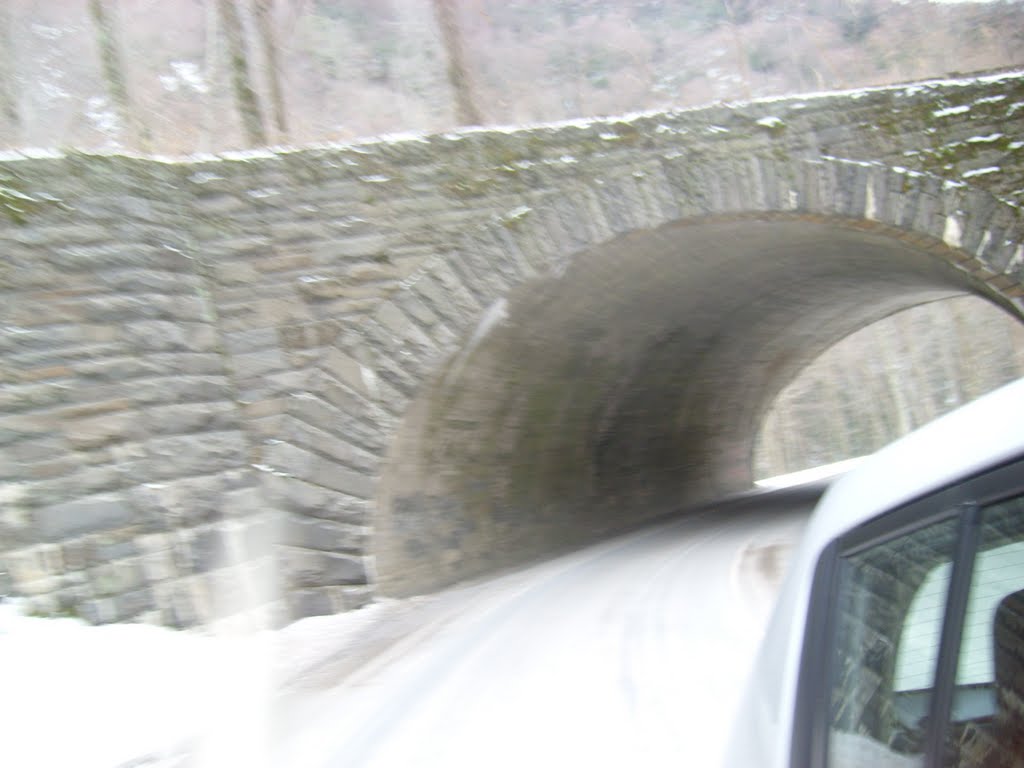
[894,379]
[113,73]
[741,51]
[466,111]
[262,14]
[241,81]
[10,115]
[423,89]
[212,74]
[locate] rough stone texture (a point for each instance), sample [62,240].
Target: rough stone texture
[253,384]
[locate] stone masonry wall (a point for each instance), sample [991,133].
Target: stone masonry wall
[199,377]
[123,447]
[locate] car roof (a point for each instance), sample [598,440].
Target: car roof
[975,437]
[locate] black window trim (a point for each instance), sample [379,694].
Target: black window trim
[963,499]
[952,628]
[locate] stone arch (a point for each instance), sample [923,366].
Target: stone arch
[532,401]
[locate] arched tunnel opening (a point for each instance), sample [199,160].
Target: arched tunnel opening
[630,386]
[884,381]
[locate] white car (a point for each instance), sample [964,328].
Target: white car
[898,638]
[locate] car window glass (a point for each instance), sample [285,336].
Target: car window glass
[987,719]
[919,644]
[871,724]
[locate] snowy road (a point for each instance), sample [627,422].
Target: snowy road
[631,652]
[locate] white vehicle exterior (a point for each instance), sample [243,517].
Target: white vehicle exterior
[808,702]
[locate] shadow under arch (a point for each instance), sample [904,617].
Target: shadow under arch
[628,378]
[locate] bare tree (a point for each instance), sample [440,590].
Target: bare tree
[262,14]
[9,112]
[241,81]
[466,110]
[113,72]
[742,62]
[212,57]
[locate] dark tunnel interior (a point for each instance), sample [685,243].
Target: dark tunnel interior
[631,386]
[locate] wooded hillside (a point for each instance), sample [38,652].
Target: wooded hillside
[179,76]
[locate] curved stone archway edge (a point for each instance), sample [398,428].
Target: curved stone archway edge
[446,515]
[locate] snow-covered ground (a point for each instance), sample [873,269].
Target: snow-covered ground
[824,472]
[135,696]
[124,695]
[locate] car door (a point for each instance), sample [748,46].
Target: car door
[914,651]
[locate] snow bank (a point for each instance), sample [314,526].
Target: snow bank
[123,695]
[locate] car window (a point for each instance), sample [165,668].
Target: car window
[998,572]
[871,723]
[986,727]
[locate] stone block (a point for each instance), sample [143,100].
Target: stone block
[181,388]
[153,543]
[302,434]
[187,418]
[258,538]
[33,564]
[345,249]
[34,449]
[303,568]
[232,591]
[296,230]
[98,611]
[184,502]
[76,554]
[318,470]
[236,274]
[207,550]
[176,604]
[250,341]
[320,288]
[186,455]
[159,566]
[393,320]
[167,336]
[96,432]
[345,369]
[419,311]
[85,515]
[303,603]
[26,397]
[149,281]
[356,597]
[242,502]
[44,586]
[294,494]
[103,549]
[17,427]
[255,364]
[130,604]
[113,578]
[324,535]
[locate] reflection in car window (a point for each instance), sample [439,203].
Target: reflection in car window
[870,724]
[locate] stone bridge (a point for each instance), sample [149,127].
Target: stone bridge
[274,384]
